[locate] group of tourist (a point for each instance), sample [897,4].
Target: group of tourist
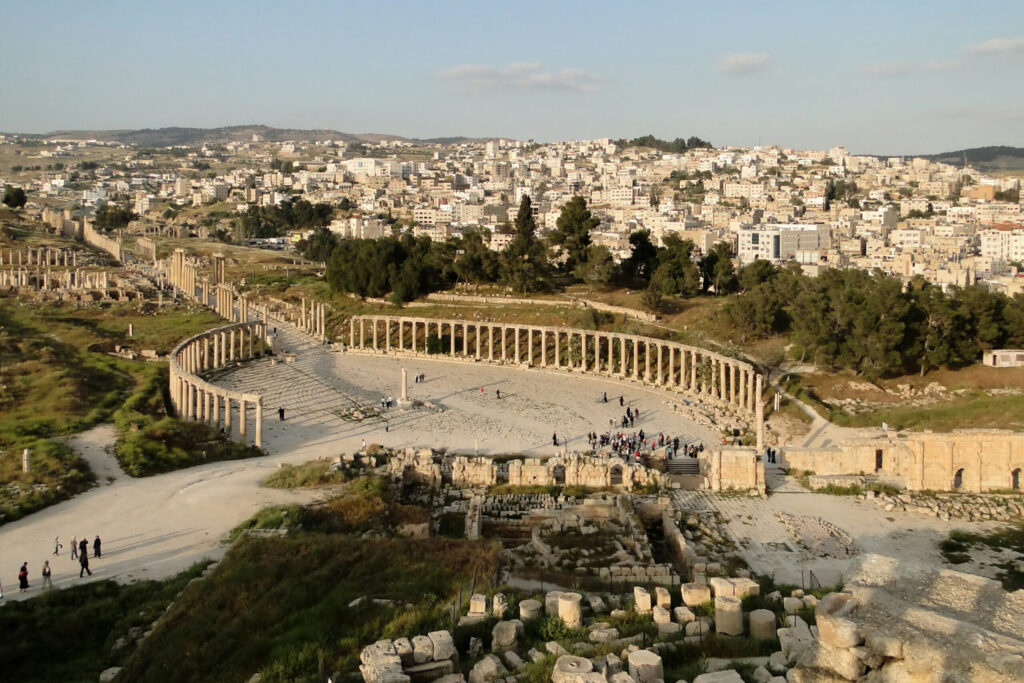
[79,551]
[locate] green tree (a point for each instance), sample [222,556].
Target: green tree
[572,231]
[754,273]
[524,261]
[643,258]
[599,266]
[14,197]
[676,272]
[651,298]
[477,263]
[717,270]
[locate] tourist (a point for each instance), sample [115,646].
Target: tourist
[47,581]
[56,545]
[83,561]
[604,398]
[23,578]
[83,546]
[364,445]
[621,402]
[498,393]
[554,439]
[96,547]
[74,547]
[280,413]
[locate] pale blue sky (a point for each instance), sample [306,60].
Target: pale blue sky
[879,77]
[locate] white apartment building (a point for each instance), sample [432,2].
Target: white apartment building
[1003,245]
[781,242]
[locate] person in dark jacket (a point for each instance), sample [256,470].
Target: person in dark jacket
[96,547]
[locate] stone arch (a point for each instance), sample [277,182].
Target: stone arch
[1015,479]
[558,475]
[958,479]
[615,475]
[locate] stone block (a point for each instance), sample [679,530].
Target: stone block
[554,648]
[529,609]
[612,663]
[669,628]
[843,662]
[505,634]
[487,669]
[621,677]
[762,625]
[645,666]
[422,650]
[512,660]
[745,586]
[761,675]
[430,670]
[109,674]
[597,605]
[810,601]
[403,648]
[641,600]
[778,663]
[478,604]
[695,594]
[884,645]
[661,615]
[792,605]
[451,678]
[728,615]
[551,603]
[683,615]
[569,609]
[604,635]
[444,647]
[662,597]
[837,604]
[499,606]
[568,669]
[721,586]
[700,627]
[837,632]
[727,676]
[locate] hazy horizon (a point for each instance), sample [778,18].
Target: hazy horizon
[878,78]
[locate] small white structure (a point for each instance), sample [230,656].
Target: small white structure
[1004,358]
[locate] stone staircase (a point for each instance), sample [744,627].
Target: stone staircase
[683,466]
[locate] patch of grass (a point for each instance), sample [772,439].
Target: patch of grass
[69,634]
[272,517]
[313,474]
[172,444]
[283,605]
[55,473]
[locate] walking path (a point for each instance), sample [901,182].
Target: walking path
[156,526]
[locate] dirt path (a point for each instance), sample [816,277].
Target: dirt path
[96,446]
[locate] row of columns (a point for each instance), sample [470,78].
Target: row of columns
[653,361]
[40,256]
[196,399]
[184,275]
[311,320]
[45,278]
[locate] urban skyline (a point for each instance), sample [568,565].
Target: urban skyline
[882,79]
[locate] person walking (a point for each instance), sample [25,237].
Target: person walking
[47,581]
[74,547]
[554,439]
[56,545]
[83,547]
[621,402]
[604,397]
[498,393]
[23,578]
[280,413]
[83,561]
[96,547]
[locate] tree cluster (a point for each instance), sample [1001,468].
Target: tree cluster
[112,217]
[677,146]
[14,197]
[405,267]
[870,322]
[277,221]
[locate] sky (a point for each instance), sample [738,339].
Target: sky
[893,77]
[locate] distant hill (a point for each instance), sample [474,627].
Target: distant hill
[983,158]
[194,137]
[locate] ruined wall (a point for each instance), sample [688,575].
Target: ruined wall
[984,460]
[145,249]
[108,244]
[733,468]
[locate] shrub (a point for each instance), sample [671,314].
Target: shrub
[172,444]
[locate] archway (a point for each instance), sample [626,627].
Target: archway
[958,479]
[1015,479]
[616,476]
[559,475]
[878,460]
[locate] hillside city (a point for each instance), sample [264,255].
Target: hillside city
[908,217]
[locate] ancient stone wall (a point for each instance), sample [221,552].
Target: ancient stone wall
[145,249]
[968,460]
[733,468]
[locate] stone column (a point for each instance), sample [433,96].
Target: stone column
[404,396]
[476,332]
[412,341]
[362,333]
[658,372]
[490,343]
[622,356]
[374,321]
[694,361]
[751,383]
[215,421]
[611,350]
[387,335]
[558,355]
[517,346]
[227,416]
[529,346]
[503,331]
[636,358]
[241,420]
[259,424]
[759,416]
[465,340]
[647,362]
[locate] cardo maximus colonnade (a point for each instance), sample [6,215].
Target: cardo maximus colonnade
[196,399]
[692,371]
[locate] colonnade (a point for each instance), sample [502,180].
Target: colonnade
[196,399]
[691,370]
[40,256]
[183,275]
[41,278]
